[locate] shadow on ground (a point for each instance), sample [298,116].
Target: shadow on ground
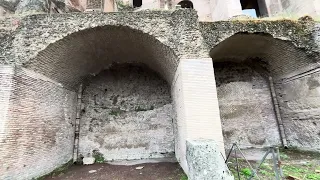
[152,171]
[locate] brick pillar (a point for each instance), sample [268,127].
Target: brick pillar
[196,103]
[6,86]
[6,74]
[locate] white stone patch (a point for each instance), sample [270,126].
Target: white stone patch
[88,160]
[92,171]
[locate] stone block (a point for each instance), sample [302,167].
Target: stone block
[205,162]
[88,160]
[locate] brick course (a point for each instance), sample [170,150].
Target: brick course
[39,131]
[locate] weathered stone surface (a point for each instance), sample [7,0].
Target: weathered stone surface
[246,107]
[65,49]
[297,32]
[299,99]
[32,6]
[205,161]
[127,115]
[9,4]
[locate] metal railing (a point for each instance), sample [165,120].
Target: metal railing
[274,151]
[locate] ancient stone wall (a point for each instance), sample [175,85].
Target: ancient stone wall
[95,4]
[299,99]
[127,114]
[66,48]
[246,107]
[39,131]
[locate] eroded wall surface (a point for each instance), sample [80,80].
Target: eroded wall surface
[127,114]
[246,107]
[299,100]
[39,132]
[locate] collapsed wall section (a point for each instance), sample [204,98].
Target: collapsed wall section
[39,131]
[127,114]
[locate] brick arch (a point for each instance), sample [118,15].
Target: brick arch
[288,70]
[87,52]
[282,59]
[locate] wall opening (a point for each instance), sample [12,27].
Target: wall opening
[49,88]
[256,8]
[287,68]
[186,4]
[137,3]
[127,114]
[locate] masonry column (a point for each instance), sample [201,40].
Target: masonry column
[6,74]
[196,103]
[6,83]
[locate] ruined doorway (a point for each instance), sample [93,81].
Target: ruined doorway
[127,115]
[259,6]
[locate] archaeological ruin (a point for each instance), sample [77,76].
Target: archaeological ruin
[150,79]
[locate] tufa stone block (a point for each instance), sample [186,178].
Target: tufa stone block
[205,161]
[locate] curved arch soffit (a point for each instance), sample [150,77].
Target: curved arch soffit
[279,58]
[87,52]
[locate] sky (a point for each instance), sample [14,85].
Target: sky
[250,12]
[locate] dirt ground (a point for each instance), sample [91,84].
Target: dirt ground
[154,171]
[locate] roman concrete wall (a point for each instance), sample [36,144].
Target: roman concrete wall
[39,131]
[299,99]
[127,114]
[94,4]
[246,107]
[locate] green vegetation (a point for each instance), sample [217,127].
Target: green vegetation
[122,6]
[184,177]
[313,176]
[114,113]
[98,157]
[246,172]
[297,164]
[283,156]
